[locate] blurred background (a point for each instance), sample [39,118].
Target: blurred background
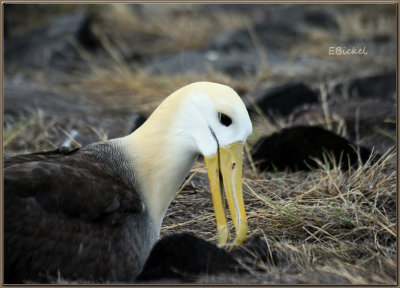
[75,73]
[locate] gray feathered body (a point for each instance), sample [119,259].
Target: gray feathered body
[74,214]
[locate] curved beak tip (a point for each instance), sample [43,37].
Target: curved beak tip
[223,235]
[241,233]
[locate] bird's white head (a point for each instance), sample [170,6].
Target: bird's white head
[201,118]
[212,115]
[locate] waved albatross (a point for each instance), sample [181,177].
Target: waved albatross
[94,213]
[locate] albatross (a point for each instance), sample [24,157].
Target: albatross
[94,213]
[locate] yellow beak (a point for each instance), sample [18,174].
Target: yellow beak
[228,163]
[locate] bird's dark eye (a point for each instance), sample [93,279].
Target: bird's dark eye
[224,120]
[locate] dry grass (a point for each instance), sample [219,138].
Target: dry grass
[29,134]
[357,24]
[189,29]
[327,226]
[360,22]
[140,90]
[325,220]
[40,133]
[116,83]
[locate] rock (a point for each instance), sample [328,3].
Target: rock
[28,100]
[257,12]
[245,52]
[277,31]
[282,99]
[381,86]
[236,53]
[294,147]
[272,36]
[136,120]
[365,120]
[321,18]
[50,45]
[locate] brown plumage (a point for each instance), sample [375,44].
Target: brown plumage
[58,229]
[93,214]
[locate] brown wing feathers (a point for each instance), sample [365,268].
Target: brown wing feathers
[65,216]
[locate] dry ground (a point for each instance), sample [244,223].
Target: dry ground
[327,226]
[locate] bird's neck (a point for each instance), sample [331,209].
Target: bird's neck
[162,157]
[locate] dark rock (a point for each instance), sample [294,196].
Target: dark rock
[271,35]
[51,45]
[282,99]
[136,121]
[185,256]
[364,119]
[237,53]
[321,19]
[24,18]
[276,31]
[25,101]
[234,53]
[257,12]
[381,86]
[294,147]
